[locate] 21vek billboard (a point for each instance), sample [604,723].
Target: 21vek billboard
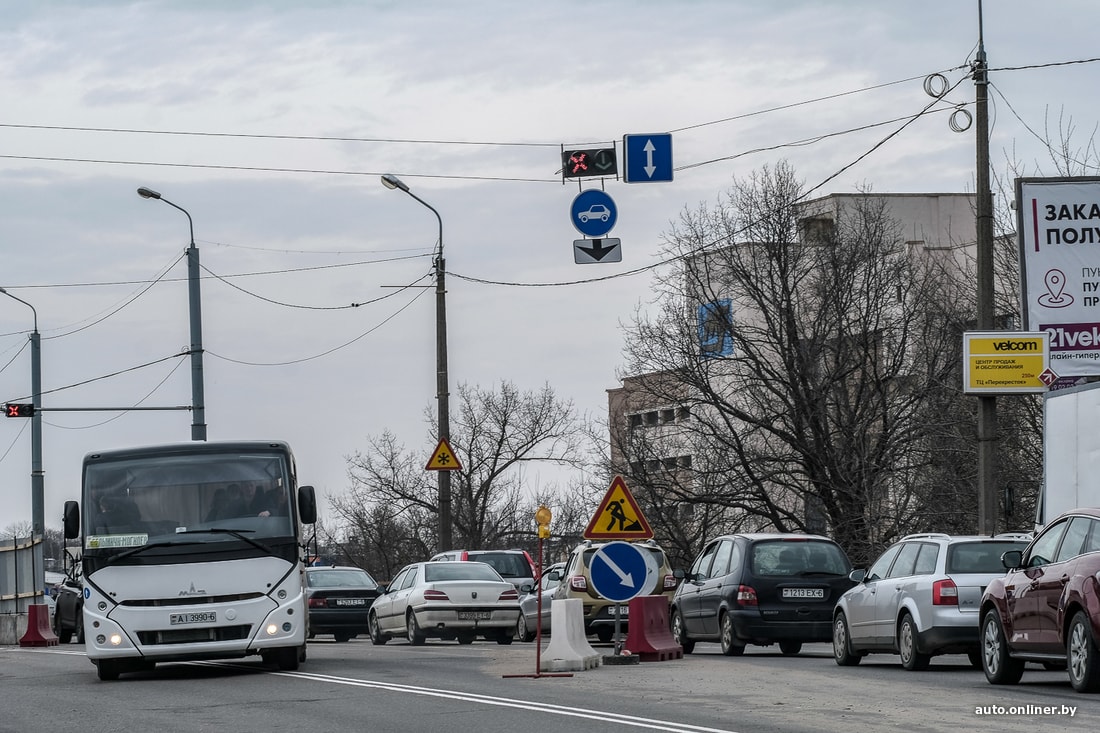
[1058,230]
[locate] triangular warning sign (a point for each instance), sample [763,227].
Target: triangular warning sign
[618,517]
[443,458]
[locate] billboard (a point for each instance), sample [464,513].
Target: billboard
[1058,231]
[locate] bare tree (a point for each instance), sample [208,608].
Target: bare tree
[845,343]
[390,511]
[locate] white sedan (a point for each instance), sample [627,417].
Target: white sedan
[447,600]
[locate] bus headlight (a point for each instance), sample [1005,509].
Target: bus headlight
[115,639]
[272,629]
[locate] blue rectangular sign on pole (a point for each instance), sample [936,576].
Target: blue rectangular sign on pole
[647,158]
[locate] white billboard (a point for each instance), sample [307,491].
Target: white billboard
[1058,230]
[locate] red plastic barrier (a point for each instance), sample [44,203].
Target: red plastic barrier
[39,632]
[648,634]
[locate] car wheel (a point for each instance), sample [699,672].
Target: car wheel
[679,635]
[466,638]
[504,636]
[1082,659]
[412,630]
[1000,668]
[911,658]
[728,640]
[376,636]
[522,632]
[842,643]
[341,637]
[583,218]
[790,648]
[975,657]
[604,634]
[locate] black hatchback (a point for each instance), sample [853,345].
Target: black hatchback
[761,589]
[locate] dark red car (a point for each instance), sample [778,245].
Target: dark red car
[1046,609]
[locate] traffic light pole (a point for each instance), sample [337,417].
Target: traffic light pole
[38,476]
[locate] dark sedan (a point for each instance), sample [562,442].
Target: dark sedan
[339,598]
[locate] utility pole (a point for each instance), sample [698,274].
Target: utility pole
[987,404]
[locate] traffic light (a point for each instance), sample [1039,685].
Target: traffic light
[17,409]
[586,163]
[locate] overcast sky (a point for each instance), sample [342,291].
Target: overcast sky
[270,123]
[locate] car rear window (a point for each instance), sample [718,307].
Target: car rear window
[803,557]
[435,572]
[508,564]
[658,555]
[979,557]
[340,578]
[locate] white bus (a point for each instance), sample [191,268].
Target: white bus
[192,551]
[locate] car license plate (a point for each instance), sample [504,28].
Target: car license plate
[351,601]
[623,611]
[800,593]
[475,615]
[204,617]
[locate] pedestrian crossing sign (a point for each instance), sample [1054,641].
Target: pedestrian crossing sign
[443,458]
[618,517]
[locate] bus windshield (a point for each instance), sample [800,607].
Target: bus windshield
[149,499]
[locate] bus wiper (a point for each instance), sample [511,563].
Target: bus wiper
[143,548]
[238,533]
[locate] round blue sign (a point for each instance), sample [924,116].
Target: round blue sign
[620,571]
[593,213]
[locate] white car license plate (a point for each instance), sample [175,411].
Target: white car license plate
[203,617]
[351,601]
[623,611]
[808,593]
[475,615]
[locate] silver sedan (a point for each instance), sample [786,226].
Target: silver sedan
[445,600]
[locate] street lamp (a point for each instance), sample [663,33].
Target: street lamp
[442,392]
[198,408]
[38,512]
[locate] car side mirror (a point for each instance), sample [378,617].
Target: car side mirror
[858,575]
[526,588]
[1012,559]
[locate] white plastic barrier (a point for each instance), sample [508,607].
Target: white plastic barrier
[569,649]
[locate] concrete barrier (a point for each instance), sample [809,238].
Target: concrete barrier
[12,626]
[569,649]
[648,634]
[39,632]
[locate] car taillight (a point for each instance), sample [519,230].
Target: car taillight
[670,582]
[577,582]
[435,595]
[945,593]
[509,595]
[746,595]
[318,602]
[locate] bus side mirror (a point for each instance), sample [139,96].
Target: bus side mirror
[71,520]
[307,504]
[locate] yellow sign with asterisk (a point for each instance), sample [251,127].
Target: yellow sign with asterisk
[443,458]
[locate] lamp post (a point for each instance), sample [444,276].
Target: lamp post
[442,392]
[198,403]
[38,478]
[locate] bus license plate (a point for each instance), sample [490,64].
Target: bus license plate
[799,593]
[204,617]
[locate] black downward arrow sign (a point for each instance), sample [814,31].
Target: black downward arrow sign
[597,251]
